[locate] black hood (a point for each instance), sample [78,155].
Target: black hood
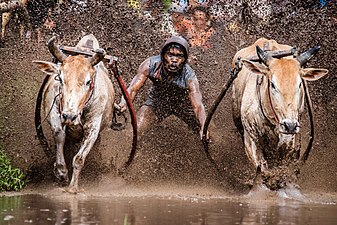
[176,40]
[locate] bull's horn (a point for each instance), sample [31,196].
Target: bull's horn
[97,57]
[263,56]
[306,56]
[55,51]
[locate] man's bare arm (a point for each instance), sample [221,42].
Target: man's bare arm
[137,82]
[197,105]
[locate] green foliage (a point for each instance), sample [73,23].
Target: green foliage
[11,179]
[167,4]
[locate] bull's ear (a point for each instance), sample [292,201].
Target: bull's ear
[255,67]
[47,67]
[312,74]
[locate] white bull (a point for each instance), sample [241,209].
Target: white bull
[267,100]
[84,98]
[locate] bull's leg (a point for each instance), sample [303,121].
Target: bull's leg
[60,167]
[91,135]
[255,155]
[5,19]
[236,113]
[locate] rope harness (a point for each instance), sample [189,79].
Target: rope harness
[57,78]
[259,80]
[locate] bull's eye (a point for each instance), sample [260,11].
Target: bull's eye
[272,85]
[300,85]
[88,82]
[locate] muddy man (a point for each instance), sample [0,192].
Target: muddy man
[175,89]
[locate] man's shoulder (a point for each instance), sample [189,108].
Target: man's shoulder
[189,67]
[155,58]
[189,72]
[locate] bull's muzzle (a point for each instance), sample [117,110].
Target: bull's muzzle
[288,126]
[68,118]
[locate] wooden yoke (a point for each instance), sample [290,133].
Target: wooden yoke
[87,52]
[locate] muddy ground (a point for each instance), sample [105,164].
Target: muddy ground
[169,153]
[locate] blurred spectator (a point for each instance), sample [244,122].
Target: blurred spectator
[197,28]
[40,12]
[189,18]
[35,15]
[135,4]
[11,8]
[195,3]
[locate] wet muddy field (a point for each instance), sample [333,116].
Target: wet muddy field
[169,204]
[171,180]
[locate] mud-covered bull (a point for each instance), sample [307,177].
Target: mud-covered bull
[268,98]
[78,98]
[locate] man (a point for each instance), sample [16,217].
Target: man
[175,89]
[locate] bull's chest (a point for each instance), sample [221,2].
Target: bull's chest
[74,132]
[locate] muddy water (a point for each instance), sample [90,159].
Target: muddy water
[39,209]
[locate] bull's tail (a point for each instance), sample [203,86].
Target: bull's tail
[38,121]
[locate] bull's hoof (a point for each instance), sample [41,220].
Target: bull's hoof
[61,173]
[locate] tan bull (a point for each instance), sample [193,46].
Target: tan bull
[79,98]
[268,99]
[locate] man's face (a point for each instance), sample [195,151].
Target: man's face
[174,60]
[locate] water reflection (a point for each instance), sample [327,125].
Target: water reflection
[37,209]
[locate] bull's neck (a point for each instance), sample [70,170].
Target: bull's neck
[91,93]
[265,102]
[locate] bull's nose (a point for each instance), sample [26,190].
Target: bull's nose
[288,126]
[68,117]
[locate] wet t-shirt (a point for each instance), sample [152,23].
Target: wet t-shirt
[169,96]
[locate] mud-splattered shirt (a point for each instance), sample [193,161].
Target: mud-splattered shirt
[168,96]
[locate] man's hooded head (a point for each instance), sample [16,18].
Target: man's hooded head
[176,41]
[174,54]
